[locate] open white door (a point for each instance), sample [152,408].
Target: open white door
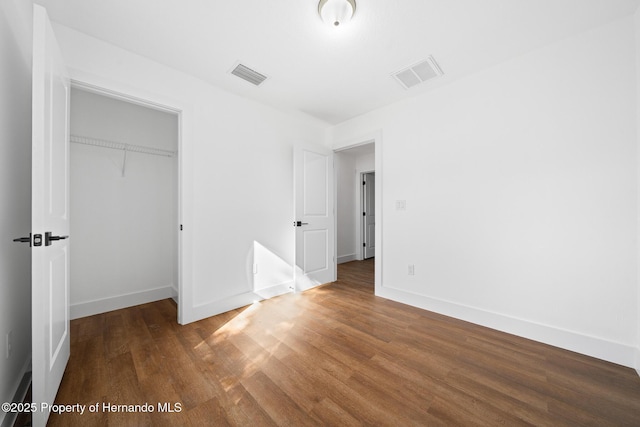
[369,214]
[50,217]
[314,216]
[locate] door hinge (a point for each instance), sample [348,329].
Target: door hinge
[364,214]
[364,182]
[180,227]
[364,245]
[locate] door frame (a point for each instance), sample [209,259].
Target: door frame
[155,105]
[374,137]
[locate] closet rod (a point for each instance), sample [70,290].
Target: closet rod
[120,146]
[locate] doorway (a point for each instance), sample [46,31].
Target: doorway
[354,165]
[124,213]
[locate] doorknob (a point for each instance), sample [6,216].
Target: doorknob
[37,240]
[48,238]
[299,223]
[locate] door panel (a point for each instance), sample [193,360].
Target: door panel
[313,208]
[59,114]
[315,182]
[58,321]
[50,207]
[315,250]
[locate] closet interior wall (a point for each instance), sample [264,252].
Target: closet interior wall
[124,209]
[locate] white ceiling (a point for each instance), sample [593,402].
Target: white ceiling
[331,73]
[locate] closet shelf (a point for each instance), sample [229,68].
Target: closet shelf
[120,146]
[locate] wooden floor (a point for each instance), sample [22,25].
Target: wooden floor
[338,356]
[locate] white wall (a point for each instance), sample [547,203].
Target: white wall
[15,193]
[122,226]
[366,163]
[521,195]
[236,161]
[346,205]
[637,50]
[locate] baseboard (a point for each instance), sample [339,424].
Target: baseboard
[347,258]
[21,391]
[214,308]
[274,291]
[637,357]
[104,305]
[304,284]
[176,293]
[591,346]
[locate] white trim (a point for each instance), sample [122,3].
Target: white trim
[104,91]
[214,308]
[637,360]
[591,346]
[346,258]
[305,285]
[379,213]
[89,308]
[175,292]
[275,290]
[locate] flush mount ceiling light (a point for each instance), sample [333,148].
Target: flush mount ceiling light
[336,12]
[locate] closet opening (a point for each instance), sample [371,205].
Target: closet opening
[124,203]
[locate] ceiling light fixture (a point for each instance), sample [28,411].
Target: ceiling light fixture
[336,12]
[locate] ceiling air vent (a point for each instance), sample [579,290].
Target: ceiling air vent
[246,73]
[418,73]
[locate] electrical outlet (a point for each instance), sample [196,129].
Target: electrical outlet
[411,270]
[9,343]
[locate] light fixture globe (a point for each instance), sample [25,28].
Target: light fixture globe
[336,12]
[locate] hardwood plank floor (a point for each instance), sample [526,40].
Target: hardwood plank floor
[334,355]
